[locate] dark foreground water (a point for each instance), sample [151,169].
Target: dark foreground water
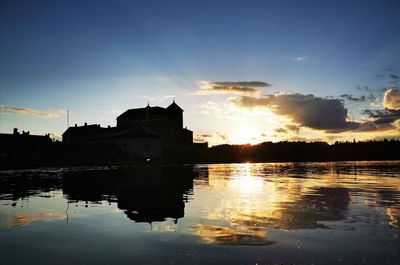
[272,213]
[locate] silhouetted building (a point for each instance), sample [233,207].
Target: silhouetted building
[82,134]
[150,132]
[22,145]
[166,122]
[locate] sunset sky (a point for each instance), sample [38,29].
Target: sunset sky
[243,71]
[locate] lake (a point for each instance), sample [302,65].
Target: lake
[263,213]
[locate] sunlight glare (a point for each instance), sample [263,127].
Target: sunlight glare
[246,135]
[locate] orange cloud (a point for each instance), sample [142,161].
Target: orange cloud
[391,99]
[247,87]
[34,112]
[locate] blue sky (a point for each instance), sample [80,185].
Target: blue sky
[99,58]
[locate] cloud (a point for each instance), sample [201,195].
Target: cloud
[34,112]
[228,87]
[55,136]
[304,139]
[212,138]
[394,76]
[383,116]
[281,130]
[305,110]
[244,84]
[292,128]
[351,98]
[325,114]
[289,128]
[221,235]
[300,59]
[159,98]
[372,126]
[391,99]
[366,88]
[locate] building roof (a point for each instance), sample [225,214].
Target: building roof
[141,112]
[174,107]
[92,128]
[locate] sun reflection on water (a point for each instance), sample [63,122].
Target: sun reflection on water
[257,197]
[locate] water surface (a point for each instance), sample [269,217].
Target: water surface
[267,213]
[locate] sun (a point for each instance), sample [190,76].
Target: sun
[245,134]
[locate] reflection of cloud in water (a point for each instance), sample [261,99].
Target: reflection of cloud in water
[328,204]
[394,217]
[221,235]
[253,202]
[169,225]
[25,218]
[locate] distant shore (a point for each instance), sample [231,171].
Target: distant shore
[63,155]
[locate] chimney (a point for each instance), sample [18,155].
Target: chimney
[85,123]
[76,125]
[108,126]
[15,132]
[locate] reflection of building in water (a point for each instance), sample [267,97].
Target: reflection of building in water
[145,194]
[148,132]
[20,185]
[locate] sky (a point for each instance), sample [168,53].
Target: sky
[243,71]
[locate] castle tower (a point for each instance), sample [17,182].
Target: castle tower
[176,115]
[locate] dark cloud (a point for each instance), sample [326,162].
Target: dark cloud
[304,139]
[289,128]
[364,88]
[34,112]
[216,136]
[394,76]
[293,128]
[281,130]
[305,110]
[229,87]
[372,126]
[317,113]
[383,116]
[351,98]
[367,88]
[379,76]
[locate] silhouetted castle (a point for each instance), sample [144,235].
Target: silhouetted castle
[150,132]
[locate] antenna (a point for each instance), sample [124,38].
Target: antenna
[67,119]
